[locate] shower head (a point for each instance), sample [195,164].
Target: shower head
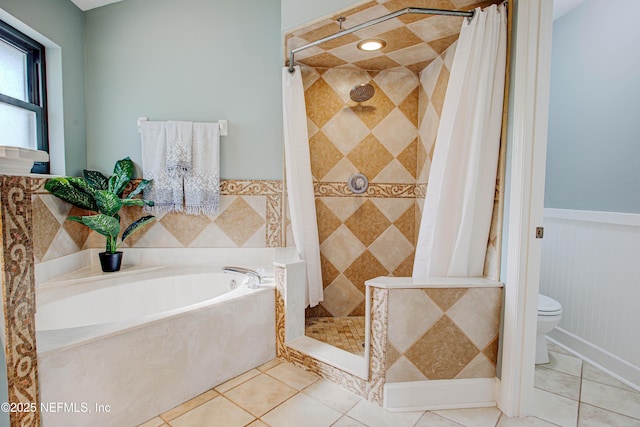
[362,92]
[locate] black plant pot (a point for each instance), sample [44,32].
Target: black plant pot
[110,262]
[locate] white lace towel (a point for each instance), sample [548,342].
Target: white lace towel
[202,183]
[179,136]
[165,191]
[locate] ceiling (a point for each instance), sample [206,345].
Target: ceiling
[92,4]
[412,41]
[560,7]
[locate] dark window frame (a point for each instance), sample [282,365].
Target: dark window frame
[36,86]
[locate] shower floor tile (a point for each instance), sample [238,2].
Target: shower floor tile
[346,333]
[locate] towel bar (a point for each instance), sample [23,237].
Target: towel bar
[224,125]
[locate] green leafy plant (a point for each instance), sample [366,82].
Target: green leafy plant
[95,192]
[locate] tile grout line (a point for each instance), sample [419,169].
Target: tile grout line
[286,400]
[580,393]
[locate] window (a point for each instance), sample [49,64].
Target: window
[23,107]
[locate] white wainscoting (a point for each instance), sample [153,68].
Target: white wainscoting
[591,265]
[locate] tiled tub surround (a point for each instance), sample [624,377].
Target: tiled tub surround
[442,341]
[250,217]
[146,360]
[428,344]
[34,230]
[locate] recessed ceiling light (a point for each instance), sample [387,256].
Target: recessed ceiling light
[371,44]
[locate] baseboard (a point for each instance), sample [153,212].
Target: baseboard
[612,218]
[440,394]
[609,363]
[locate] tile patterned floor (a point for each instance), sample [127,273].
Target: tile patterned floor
[568,392]
[346,333]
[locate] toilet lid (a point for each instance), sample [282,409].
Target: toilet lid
[548,305]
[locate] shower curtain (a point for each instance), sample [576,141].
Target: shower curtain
[300,193]
[456,218]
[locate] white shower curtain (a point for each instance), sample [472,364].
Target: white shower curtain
[456,218]
[300,194]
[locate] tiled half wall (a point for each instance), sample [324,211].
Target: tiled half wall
[442,333]
[416,335]
[250,216]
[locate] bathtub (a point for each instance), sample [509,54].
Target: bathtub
[118,349]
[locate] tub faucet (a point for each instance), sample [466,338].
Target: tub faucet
[242,270]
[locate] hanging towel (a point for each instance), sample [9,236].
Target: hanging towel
[166,192]
[179,136]
[202,182]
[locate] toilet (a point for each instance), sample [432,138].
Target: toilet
[549,313]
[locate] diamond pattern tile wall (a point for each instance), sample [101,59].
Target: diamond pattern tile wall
[365,137]
[250,216]
[437,334]
[390,138]
[362,237]
[53,235]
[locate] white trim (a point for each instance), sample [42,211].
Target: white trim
[614,218]
[388,282]
[55,102]
[85,5]
[529,107]
[618,368]
[440,394]
[331,355]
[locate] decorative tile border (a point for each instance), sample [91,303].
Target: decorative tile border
[36,185]
[340,189]
[280,277]
[378,344]
[229,187]
[18,288]
[275,234]
[350,382]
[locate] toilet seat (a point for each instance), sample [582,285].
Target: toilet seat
[548,306]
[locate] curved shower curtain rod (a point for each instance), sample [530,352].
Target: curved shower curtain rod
[417,10]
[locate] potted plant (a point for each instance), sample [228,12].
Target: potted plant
[95,192]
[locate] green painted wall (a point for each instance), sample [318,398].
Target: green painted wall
[186,60]
[63,23]
[298,12]
[168,59]
[593,149]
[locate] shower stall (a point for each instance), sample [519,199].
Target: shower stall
[372,115]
